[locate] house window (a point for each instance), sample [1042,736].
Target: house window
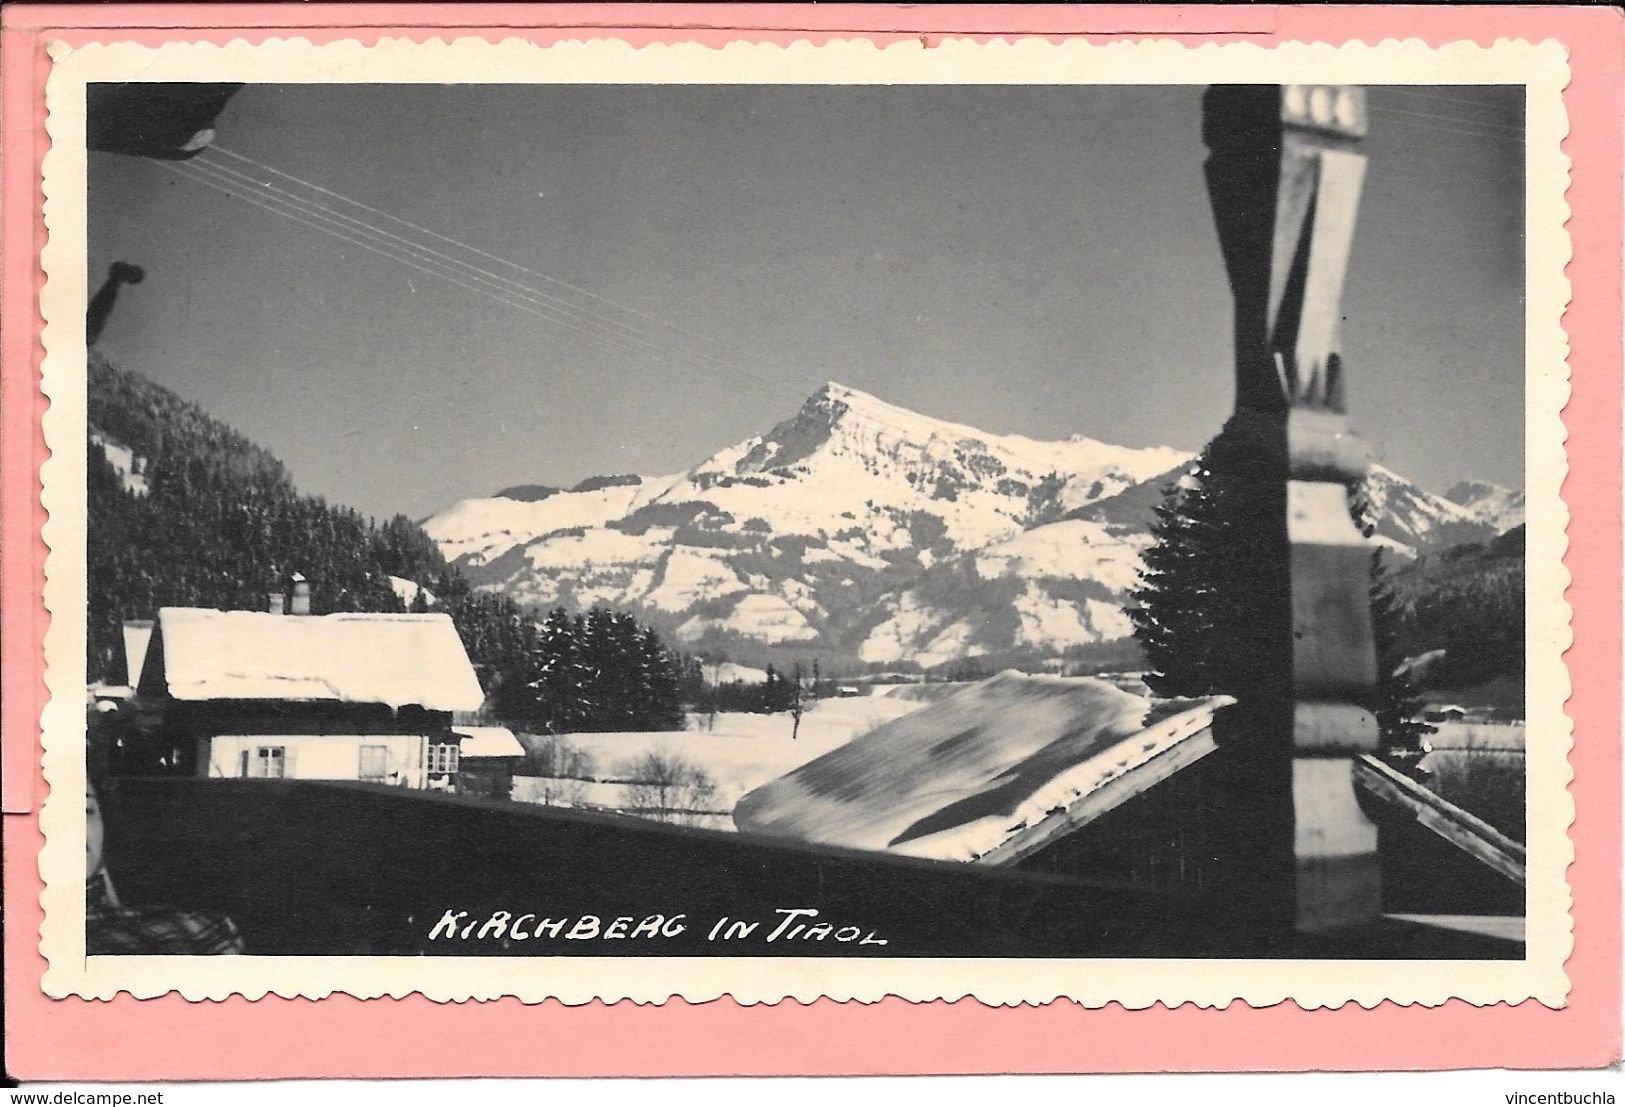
[442,758]
[374,762]
[268,762]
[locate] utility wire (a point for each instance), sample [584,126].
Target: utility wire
[1436,129]
[463,245]
[1429,93]
[435,263]
[1439,128]
[307,203]
[428,256]
[701,360]
[1456,119]
[238,193]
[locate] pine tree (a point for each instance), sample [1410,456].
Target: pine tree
[691,689]
[632,676]
[1399,705]
[554,682]
[1211,583]
[1171,609]
[663,699]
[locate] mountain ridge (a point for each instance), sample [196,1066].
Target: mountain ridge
[860,529]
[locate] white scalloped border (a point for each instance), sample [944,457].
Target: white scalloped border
[1135,984]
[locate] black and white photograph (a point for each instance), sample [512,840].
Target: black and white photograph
[807,520]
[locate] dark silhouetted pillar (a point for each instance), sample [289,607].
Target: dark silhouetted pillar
[1284,176]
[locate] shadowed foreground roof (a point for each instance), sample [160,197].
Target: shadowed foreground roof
[395,660]
[959,778]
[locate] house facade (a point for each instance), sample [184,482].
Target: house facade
[347,696]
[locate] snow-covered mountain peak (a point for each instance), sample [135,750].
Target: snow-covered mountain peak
[1502,508]
[850,405]
[875,532]
[839,421]
[843,420]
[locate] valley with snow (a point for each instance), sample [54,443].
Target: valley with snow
[737,750]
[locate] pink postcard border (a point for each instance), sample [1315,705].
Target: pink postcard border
[126,1039]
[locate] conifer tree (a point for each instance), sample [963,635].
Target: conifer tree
[556,671]
[663,699]
[1170,609]
[1211,579]
[1399,705]
[1205,586]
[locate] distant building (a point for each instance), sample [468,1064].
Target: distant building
[137,634]
[1445,713]
[351,696]
[116,689]
[488,756]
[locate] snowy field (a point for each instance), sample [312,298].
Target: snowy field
[743,752]
[1478,737]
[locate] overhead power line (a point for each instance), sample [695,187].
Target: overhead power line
[378,232]
[1475,124]
[436,261]
[427,259]
[290,211]
[1422,123]
[463,245]
[1433,93]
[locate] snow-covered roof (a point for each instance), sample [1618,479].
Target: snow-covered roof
[975,772]
[395,660]
[487,741]
[137,635]
[728,672]
[408,591]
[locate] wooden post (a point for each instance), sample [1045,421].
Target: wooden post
[1284,176]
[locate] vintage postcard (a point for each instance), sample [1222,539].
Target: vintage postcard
[1017,520]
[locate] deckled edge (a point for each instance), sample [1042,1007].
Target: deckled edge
[1311,984]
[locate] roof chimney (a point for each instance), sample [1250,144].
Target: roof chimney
[277,603]
[301,596]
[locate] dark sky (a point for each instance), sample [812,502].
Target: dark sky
[1037,260]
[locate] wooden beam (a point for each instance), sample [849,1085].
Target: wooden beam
[1284,178]
[1460,828]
